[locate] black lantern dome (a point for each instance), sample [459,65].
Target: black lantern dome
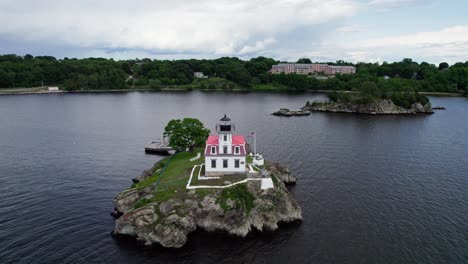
[225,125]
[225,119]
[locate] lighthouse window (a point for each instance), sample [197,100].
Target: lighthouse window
[237,150]
[225,137]
[225,163]
[225,150]
[213,163]
[213,150]
[236,163]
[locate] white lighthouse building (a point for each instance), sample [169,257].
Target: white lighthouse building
[225,153]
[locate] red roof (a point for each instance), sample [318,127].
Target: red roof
[212,140]
[238,140]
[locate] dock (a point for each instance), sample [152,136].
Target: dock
[157,147]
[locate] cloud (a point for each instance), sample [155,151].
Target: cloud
[444,37]
[203,26]
[448,44]
[259,45]
[349,29]
[388,4]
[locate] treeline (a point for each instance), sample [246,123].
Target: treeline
[99,73]
[370,92]
[405,75]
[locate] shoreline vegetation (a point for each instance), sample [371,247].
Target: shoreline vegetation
[43,90]
[222,74]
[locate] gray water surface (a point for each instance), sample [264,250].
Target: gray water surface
[373,189]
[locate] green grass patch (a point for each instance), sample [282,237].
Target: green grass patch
[150,180]
[269,87]
[257,168]
[217,182]
[174,177]
[240,195]
[275,180]
[141,203]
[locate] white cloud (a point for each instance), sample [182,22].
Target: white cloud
[386,4]
[349,29]
[447,36]
[448,44]
[208,26]
[259,45]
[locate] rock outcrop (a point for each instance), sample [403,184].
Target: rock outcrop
[287,112]
[281,172]
[438,108]
[168,223]
[383,107]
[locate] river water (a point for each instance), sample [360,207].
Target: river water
[373,189]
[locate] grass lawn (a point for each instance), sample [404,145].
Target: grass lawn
[216,182]
[257,168]
[175,177]
[249,159]
[269,87]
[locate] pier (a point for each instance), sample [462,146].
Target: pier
[157,147]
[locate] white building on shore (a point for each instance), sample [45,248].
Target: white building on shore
[299,68]
[53,88]
[225,153]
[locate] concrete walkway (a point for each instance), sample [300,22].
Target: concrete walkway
[200,177]
[266,183]
[196,157]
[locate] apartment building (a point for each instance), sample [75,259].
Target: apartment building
[298,68]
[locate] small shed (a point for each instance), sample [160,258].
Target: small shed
[53,88]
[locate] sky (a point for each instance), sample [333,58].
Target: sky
[323,30]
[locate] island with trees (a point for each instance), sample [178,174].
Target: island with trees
[226,74]
[369,99]
[171,200]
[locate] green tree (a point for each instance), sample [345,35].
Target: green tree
[304,60]
[126,68]
[443,65]
[155,84]
[186,134]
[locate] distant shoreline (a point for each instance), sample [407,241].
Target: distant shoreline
[40,90]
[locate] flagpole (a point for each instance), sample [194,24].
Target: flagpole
[255,144]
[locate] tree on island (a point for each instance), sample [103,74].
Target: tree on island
[186,133]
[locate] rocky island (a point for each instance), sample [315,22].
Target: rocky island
[187,191]
[368,101]
[287,112]
[236,210]
[382,107]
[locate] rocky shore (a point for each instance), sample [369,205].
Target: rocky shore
[287,112]
[383,107]
[236,210]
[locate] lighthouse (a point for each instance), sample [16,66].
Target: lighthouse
[225,152]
